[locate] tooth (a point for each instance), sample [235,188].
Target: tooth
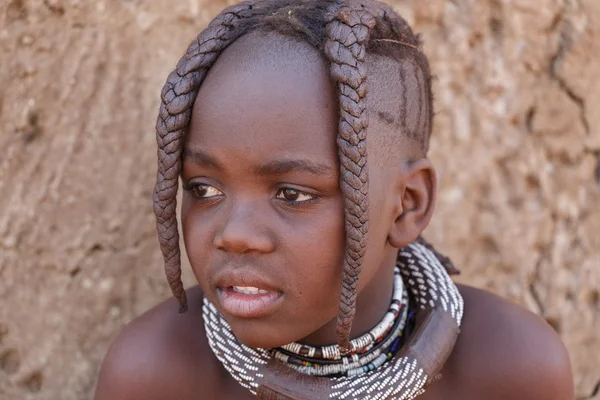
[249,290]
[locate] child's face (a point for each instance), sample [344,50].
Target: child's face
[262,206]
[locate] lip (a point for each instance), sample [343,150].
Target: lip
[244,305]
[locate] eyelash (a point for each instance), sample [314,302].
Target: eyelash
[312,197]
[194,187]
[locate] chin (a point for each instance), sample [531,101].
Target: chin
[260,335]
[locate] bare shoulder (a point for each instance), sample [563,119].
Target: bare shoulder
[504,352]
[160,355]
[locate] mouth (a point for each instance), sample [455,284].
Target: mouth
[244,295]
[248,301]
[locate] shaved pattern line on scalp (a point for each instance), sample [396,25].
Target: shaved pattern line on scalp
[403,105]
[344,31]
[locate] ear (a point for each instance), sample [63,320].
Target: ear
[418,189]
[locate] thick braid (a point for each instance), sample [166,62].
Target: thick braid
[347,35]
[178,96]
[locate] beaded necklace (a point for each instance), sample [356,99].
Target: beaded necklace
[369,351]
[366,341]
[397,372]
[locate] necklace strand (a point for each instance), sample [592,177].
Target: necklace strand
[357,364]
[375,346]
[363,343]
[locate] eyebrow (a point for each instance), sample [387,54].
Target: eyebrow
[276,167]
[200,158]
[280,167]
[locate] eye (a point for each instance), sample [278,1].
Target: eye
[294,195]
[203,191]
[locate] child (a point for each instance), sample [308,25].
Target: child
[300,130]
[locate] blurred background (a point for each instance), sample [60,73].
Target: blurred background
[516,142]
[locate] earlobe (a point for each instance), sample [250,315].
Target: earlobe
[418,189]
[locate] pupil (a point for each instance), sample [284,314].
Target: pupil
[291,194]
[201,191]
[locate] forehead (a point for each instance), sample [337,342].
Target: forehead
[266,95]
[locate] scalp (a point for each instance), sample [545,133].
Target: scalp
[262,50]
[262,65]
[398,98]
[399,109]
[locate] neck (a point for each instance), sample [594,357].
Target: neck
[371,305]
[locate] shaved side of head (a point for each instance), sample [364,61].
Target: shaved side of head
[399,109]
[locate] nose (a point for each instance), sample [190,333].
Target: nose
[244,231]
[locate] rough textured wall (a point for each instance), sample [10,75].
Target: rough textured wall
[517,144]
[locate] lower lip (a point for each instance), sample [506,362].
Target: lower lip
[243,305]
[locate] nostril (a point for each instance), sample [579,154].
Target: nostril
[232,239]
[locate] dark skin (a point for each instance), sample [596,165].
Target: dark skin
[249,205]
[503,352]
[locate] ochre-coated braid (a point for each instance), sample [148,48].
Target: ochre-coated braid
[347,35]
[178,96]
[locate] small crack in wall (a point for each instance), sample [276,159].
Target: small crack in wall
[594,393]
[566,40]
[532,289]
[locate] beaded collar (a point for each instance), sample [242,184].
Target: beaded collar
[400,376]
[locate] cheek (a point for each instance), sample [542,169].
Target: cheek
[319,250]
[197,240]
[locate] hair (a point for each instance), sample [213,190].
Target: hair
[344,31]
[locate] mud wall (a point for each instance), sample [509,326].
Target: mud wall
[517,144]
